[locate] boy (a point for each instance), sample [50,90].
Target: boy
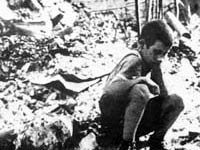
[137,103]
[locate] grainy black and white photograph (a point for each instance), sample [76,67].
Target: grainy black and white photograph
[99,74]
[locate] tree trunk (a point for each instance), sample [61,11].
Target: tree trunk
[137,16]
[160,9]
[149,10]
[176,10]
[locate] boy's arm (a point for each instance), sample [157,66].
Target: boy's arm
[131,70]
[157,77]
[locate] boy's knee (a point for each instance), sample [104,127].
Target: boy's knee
[140,87]
[141,91]
[177,101]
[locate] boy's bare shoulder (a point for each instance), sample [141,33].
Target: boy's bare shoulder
[133,57]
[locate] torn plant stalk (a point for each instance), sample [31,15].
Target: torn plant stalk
[177,25]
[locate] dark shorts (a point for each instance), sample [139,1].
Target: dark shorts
[114,100]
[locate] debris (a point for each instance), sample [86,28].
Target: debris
[89,142]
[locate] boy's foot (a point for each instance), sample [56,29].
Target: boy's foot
[126,145]
[156,145]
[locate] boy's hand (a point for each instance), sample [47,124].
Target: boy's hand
[153,87]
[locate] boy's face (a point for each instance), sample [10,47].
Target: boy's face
[155,53]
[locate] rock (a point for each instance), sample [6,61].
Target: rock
[34,5]
[45,132]
[89,142]
[9,13]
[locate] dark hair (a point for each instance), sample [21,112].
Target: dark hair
[156,30]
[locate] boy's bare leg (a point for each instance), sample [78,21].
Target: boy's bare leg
[159,115]
[139,96]
[150,117]
[171,108]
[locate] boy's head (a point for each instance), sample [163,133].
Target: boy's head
[156,30]
[155,40]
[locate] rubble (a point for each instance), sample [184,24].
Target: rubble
[36,114]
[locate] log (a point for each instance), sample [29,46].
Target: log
[177,25]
